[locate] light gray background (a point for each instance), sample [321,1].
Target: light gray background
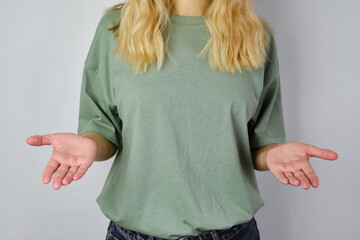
[43,47]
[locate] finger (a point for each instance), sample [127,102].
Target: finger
[59,175]
[303,179]
[310,174]
[69,176]
[281,176]
[39,140]
[292,179]
[80,172]
[327,154]
[49,170]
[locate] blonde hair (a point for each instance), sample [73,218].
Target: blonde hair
[237,43]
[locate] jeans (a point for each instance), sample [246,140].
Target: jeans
[243,231]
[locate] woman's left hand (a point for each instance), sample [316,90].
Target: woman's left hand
[289,162]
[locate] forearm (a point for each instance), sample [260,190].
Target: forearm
[105,148]
[258,157]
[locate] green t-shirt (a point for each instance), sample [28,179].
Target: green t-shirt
[185,134]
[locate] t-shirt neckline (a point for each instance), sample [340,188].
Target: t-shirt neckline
[187,19]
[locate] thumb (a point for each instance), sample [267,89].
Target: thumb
[322,153]
[39,140]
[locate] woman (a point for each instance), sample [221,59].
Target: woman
[188,133]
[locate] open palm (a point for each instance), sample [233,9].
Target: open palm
[289,162]
[72,156]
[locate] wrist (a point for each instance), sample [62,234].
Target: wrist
[104,148]
[259,157]
[269,155]
[94,138]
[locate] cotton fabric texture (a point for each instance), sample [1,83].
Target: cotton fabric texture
[184,134]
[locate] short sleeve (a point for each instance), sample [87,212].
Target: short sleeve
[267,124]
[97,110]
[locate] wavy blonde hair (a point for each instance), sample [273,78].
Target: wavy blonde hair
[237,43]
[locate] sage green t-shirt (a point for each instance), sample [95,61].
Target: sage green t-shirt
[184,133]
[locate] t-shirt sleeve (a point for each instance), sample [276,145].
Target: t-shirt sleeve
[97,110]
[267,124]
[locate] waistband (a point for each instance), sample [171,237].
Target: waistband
[206,235]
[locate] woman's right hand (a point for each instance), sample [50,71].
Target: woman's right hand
[72,156]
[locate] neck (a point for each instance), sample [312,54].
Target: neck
[189,7]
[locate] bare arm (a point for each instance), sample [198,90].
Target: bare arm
[258,157]
[105,148]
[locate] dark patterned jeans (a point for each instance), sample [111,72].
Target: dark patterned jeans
[243,231]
